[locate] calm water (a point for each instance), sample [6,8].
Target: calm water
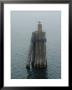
[23,23]
[19,70]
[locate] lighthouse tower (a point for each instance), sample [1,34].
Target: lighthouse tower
[37,52]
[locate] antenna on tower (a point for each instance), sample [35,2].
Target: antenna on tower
[39,26]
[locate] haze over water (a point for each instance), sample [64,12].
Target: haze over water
[23,23]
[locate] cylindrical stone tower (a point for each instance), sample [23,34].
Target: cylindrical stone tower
[37,53]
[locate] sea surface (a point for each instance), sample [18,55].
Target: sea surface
[19,71]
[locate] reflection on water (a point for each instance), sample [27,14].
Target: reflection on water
[37,74]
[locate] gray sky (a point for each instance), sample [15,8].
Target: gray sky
[24,23]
